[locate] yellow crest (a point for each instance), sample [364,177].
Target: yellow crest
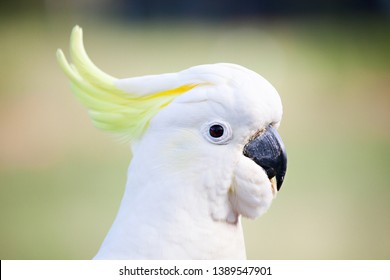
[125,112]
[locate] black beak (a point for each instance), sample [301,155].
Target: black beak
[268,151]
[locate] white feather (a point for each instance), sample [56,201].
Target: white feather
[185,195]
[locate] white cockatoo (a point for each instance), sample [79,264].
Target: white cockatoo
[205,151]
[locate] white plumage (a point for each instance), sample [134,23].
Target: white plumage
[187,184]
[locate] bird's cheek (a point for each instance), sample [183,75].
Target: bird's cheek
[251,192]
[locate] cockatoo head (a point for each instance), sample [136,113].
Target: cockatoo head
[213,126]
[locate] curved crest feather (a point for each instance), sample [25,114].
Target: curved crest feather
[128,111]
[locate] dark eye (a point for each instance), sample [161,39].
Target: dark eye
[216,131]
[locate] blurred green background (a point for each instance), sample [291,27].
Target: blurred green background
[61,180]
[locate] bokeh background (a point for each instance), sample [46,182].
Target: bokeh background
[61,180]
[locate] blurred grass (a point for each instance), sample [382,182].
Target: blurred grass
[61,180]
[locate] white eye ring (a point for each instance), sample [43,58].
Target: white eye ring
[217,132]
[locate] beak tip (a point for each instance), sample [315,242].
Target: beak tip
[279,182]
[282,173]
